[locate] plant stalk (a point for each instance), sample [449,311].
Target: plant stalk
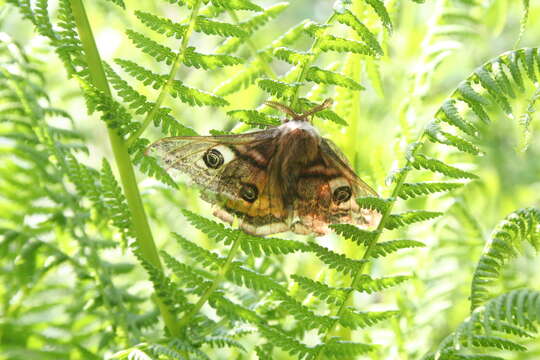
[143,234]
[170,78]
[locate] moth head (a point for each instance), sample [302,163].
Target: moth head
[299,117]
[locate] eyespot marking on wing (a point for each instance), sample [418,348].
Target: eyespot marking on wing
[223,154]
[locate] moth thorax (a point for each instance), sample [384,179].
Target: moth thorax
[300,146]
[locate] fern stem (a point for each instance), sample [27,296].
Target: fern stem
[144,240]
[253,48]
[215,283]
[170,78]
[305,65]
[367,253]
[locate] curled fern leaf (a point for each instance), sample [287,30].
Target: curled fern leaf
[496,325]
[518,227]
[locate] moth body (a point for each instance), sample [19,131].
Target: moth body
[282,178]
[297,147]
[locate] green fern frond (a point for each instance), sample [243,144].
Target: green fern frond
[284,341]
[198,254]
[212,229]
[254,117]
[140,73]
[148,165]
[322,291]
[320,76]
[279,89]
[161,25]
[257,246]
[186,274]
[195,97]
[410,217]
[186,94]
[519,227]
[387,247]
[367,284]
[208,61]
[413,190]
[148,46]
[236,5]
[374,203]
[84,179]
[359,236]
[452,117]
[241,80]
[305,317]
[113,114]
[172,296]
[139,103]
[341,45]
[326,114]
[358,320]
[498,325]
[182,346]
[242,276]
[348,18]
[115,202]
[290,36]
[263,17]
[340,349]
[229,310]
[382,12]
[213,27]
[292,56]
[222,342]
[436,134]
[336,261]
[421,161]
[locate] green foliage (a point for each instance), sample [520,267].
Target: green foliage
[219,292]
[508,237]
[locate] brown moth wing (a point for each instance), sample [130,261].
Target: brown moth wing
[263,216]
[184,154]
[246,162]
[315,207]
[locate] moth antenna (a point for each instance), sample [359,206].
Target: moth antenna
[284,109]
[325,105]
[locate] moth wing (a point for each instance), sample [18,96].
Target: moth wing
[315,206]
[185,155]
[245,162]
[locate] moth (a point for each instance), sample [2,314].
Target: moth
[283,178]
